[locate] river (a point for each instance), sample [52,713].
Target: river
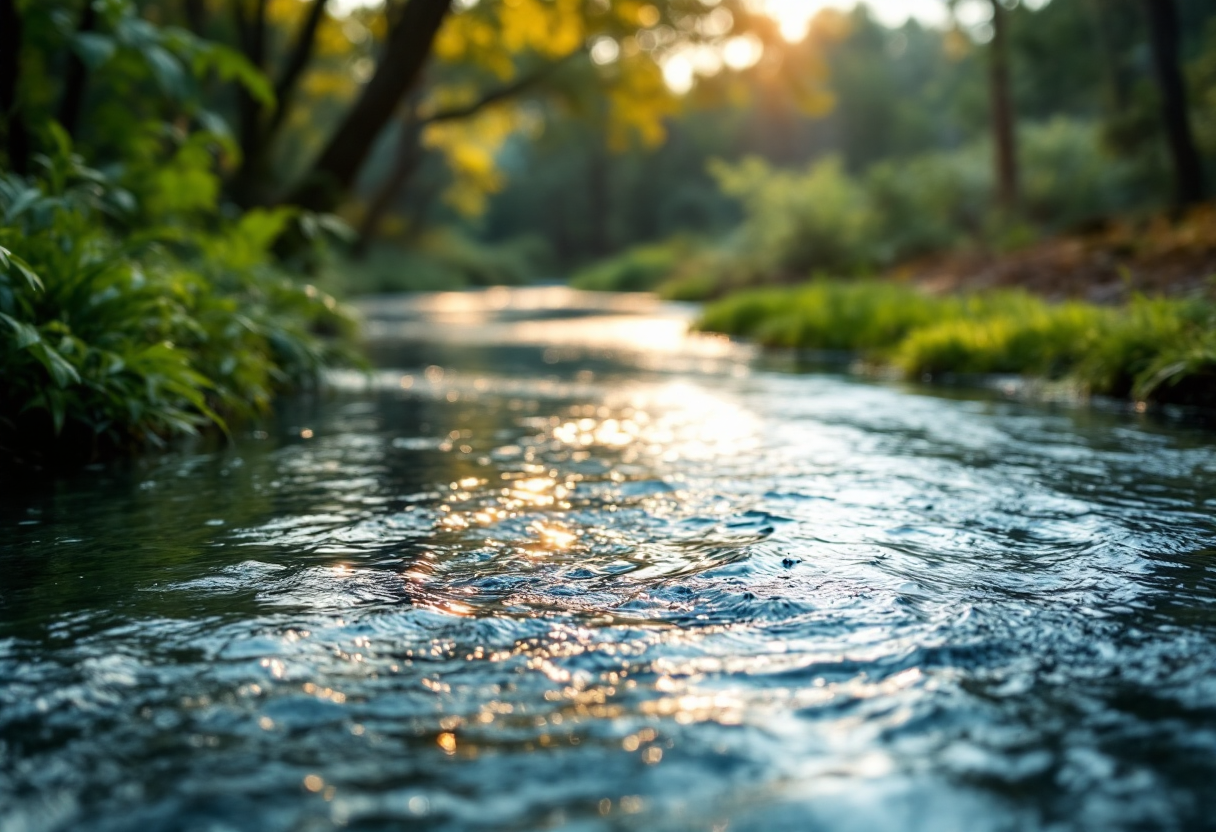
[558,564]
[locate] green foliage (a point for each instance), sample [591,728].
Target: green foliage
[440,260]
[825,219]
[136,306]
[116,337]
[639,269]
[1201,75]
[1013,333]
[862,316]
[1151,349]
[798,222]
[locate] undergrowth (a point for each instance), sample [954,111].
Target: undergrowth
[1151,349]
[131,317]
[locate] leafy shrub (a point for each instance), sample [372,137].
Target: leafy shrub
[826,219]
[1069,179]
[929,203]
[113,337]
[1016,335]
[796,223]
[640,269]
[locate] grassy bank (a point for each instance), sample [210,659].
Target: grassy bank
[1149,349]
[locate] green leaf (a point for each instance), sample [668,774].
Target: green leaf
[262,226]
[26,335]
[336,227]
[136,32]
[61,370]
[216,125]
[231,65]
[58,406]
[21,203]
[11,261]
[61,141]
[94,49]
[168,71]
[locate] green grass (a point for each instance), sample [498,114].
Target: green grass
[640,269]
[1158,349]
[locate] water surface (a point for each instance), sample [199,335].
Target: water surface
[558,565]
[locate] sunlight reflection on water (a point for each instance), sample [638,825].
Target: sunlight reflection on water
[585,571]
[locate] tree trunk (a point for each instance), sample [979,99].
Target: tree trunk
[409,156]
[408,47]
[250,184]
[1163,34]
[251,34]
[77,77]
[195,13]
[1117,93]
[16,138]
[1003,121]
[297,62]
[410,153]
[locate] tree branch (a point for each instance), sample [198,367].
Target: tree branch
[494,96]
[297,62]
[406,51]
[409,153]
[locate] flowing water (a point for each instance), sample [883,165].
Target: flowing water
[558,565]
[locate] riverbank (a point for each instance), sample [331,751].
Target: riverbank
[1157,256]
[1150,349]
[120,335]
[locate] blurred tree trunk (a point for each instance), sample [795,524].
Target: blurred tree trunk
[251,182]
[16,138]
[77,76]
[1163,35]
[195,13]
[408,158]
[1003,120]
[1117,92]
[406,51]
[410,152]
[251,36]
[293,70]
[599,198]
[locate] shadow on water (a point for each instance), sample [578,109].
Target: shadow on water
[560,565]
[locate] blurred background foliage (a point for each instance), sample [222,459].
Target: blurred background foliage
[179,174]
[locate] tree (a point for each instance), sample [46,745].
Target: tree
[410,151]
[406,51]
[15,137]
[1184,157]
[1003,118]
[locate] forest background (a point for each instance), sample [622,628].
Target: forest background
[186,183]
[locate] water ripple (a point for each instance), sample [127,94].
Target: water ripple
[582,590]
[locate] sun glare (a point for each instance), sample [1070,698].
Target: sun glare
[793,16]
